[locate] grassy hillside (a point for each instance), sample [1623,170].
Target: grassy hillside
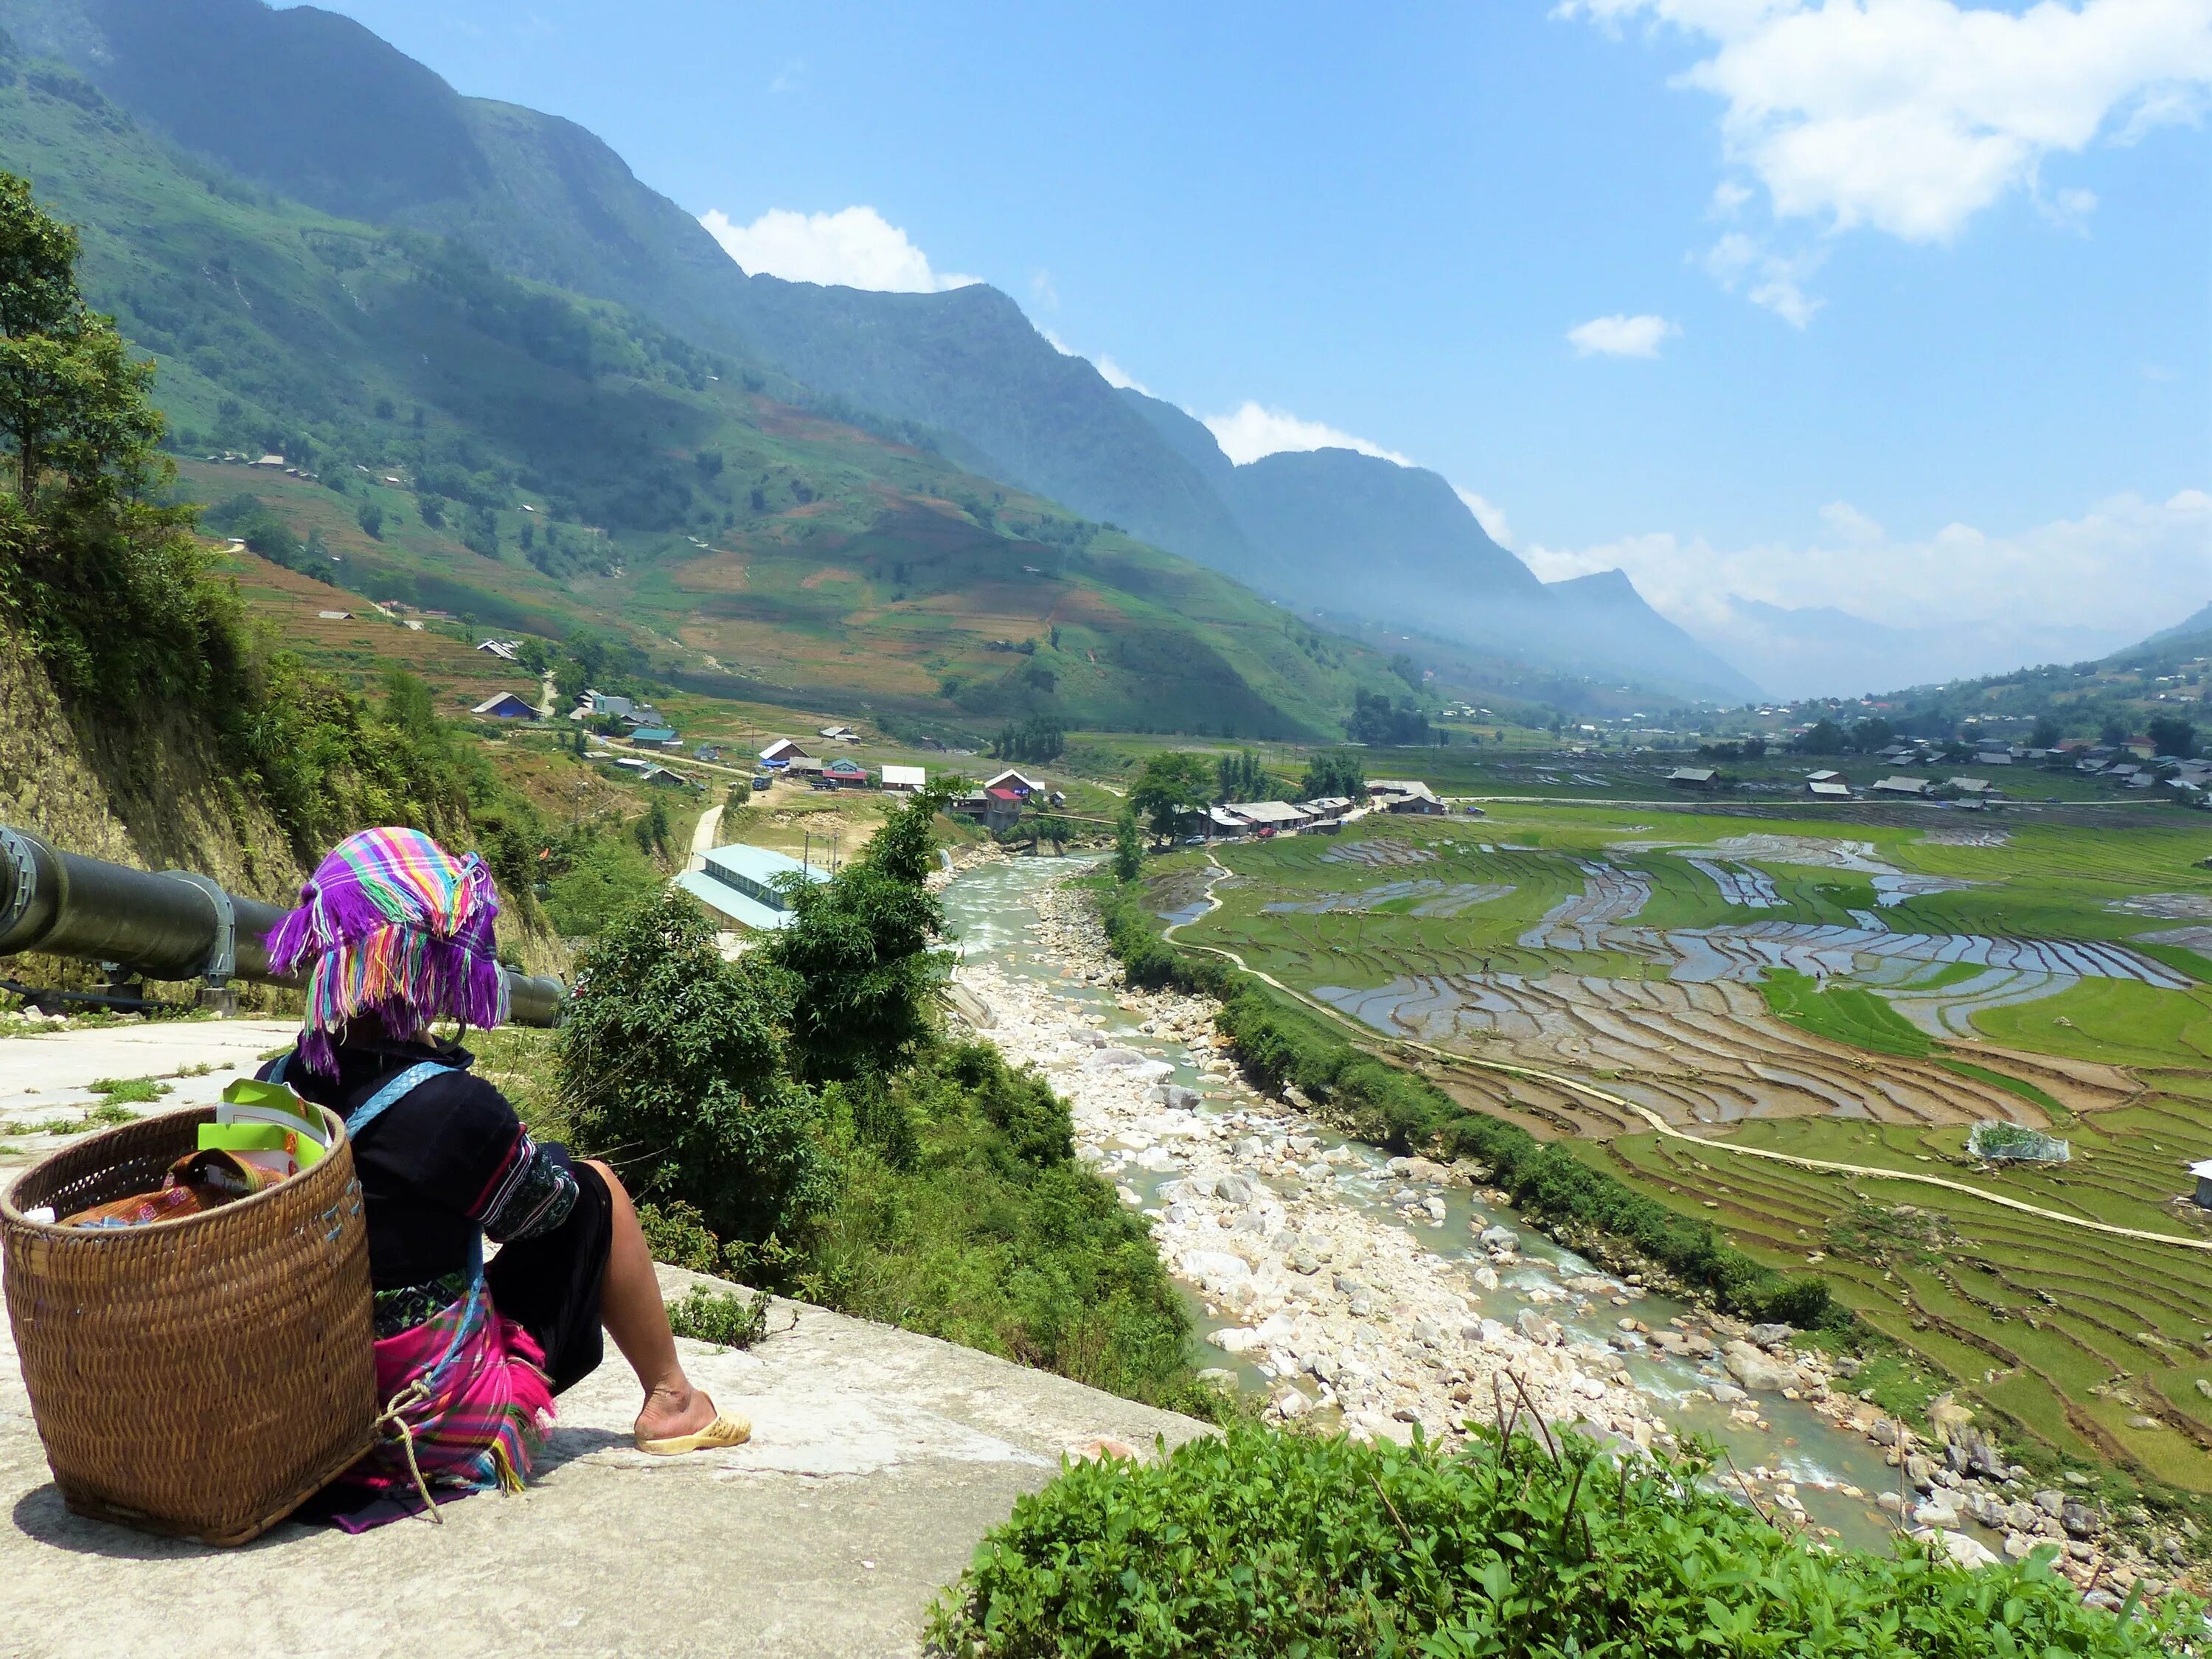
[334,116]
[494,449]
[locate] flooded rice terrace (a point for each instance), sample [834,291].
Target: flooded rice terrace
[1366,1290]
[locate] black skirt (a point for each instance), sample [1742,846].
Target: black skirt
[551,1285]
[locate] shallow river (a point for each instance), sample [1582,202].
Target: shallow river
[992,917]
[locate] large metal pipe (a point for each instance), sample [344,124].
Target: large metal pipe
[170,926]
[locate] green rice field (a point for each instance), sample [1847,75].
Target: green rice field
[1798,986]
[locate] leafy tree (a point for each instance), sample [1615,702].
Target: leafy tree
[1376,720]
[1241,777]
[2114,731]
[1039,739]
[72,401]
[1407,669]
[739,798]
[671,1066]
[2171,734]
[1872,734]
[1335,772]
[2045,734]
[1171,786]
[1824,737]
[370,517]
[652,830]
[856,953]
[1128,846]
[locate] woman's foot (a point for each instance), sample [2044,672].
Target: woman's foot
[671,1412]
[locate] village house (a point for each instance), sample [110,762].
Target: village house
[655,737]
[904,778]
[740,884]
[1693,777]
[1275,816]
[1916,787]
[1023,788]
[505,650]
[504,707]
[782,752]
[996,810]
[1824,789]
[845,772]
[1402,795]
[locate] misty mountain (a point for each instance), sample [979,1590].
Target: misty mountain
[315,105]
[1820,650]
[1357,535]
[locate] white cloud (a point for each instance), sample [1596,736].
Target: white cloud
[1775,281]
[1911,116]
[1253,431]
[1115,375]
[855,247]
[2123,569]
[1618,335]
[1488,514]
[1109,371]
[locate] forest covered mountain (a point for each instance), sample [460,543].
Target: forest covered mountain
[315,107]
[462,439]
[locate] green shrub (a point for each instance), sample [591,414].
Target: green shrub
[722,1317]
[963,1214]
[1259,1542]
[856,951]
[671,1068]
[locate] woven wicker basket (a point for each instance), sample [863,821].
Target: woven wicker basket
[202,1377]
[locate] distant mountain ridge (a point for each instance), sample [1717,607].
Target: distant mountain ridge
[315,105]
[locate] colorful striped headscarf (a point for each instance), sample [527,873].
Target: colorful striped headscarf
[395,927]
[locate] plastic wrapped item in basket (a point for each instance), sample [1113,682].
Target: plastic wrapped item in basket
[202,1376]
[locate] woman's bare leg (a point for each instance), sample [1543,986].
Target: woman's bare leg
[631,1310]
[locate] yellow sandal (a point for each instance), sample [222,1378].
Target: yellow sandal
[719,1435]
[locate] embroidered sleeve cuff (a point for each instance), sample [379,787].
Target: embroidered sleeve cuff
[537,1200]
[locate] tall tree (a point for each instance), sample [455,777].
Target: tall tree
[1129,846]
[1171,787]
[858,954]
[72,399]
[1335,772]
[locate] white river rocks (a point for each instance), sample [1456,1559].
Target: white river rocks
[1334,1304]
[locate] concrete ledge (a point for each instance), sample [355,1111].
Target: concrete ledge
[878,1459]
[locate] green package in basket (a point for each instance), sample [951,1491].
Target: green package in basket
[249,1102]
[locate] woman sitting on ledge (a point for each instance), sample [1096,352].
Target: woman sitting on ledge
[393,933]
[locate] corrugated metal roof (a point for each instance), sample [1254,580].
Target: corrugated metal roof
[905,777]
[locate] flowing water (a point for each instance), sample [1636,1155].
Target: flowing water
[991,916]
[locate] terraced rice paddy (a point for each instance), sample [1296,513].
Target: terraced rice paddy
[2030,972]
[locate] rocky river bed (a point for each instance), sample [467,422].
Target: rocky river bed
[1374,1294]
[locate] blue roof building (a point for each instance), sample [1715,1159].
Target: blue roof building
[738,882]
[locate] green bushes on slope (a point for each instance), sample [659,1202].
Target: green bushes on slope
[1280,1043]
[1265,1543]
[795,1118]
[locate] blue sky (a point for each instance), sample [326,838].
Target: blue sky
[1899,306]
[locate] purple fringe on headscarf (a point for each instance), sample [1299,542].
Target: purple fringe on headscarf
[397,930]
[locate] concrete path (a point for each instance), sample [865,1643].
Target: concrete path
[878,1459]
[703,835]
[48,1076]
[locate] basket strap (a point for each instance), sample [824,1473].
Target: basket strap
[389,1095]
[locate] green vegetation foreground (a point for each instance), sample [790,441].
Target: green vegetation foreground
[1280,1544]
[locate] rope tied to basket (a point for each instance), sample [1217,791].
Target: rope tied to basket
[417,1392]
